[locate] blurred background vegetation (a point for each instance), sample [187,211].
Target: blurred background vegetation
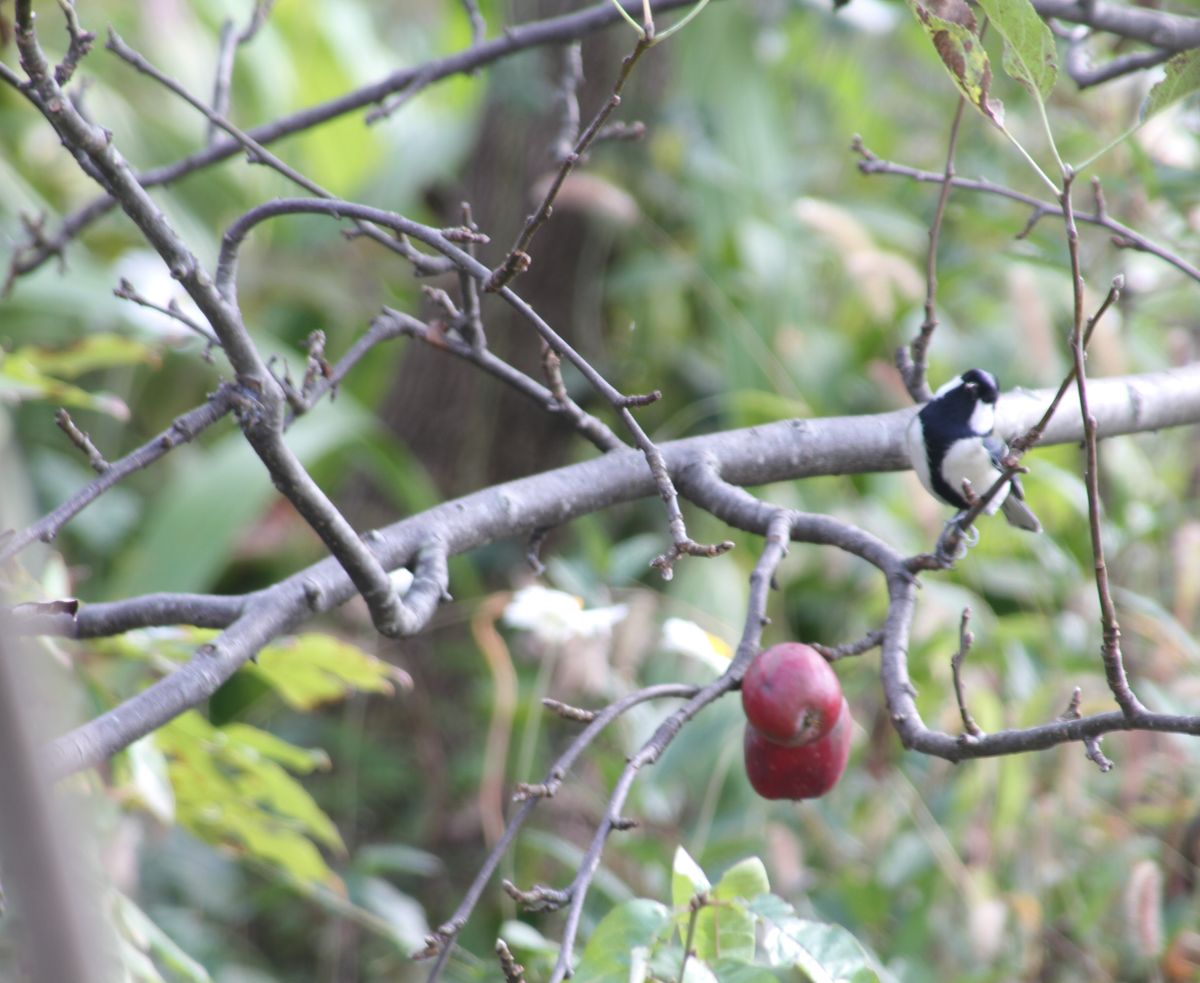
[736,259]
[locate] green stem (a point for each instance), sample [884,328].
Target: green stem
[1062,167]
[1032,163]
[632,23]
[1079,168]
[682,23]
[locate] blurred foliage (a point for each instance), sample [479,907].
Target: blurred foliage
[760,276]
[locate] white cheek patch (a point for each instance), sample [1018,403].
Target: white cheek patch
[983,418]
[971,460]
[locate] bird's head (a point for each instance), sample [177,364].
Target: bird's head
[970,398]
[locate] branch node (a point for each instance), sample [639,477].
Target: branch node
[664,563]
[513,971]
[965,639]
[81,440]
[644,399]
[831,653]
[568,712]
[538,898]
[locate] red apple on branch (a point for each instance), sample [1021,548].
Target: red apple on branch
[778,771]
[791,695]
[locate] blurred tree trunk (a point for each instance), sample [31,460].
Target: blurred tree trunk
[445,410]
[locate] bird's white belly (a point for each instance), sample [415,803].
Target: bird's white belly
[970,460]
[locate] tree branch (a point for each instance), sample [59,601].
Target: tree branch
[182,429]
[1122,235]
[786,450]
[553,30]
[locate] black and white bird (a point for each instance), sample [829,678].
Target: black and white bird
[951,440]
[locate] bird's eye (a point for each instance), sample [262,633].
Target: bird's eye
[972,386]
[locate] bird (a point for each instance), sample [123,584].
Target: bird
[952,440]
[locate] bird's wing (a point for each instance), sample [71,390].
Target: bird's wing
[998,450]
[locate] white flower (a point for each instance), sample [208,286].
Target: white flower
[688,638]
[557,617]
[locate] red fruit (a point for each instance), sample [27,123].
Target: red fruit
[806,772]
[791,695]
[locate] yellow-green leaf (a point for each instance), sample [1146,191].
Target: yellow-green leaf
[93,352]
[315,668]
[951,28]
[21,379]
[1182,79]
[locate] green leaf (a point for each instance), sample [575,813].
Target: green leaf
[231,790]
[522,935]
[397,858]
[951,29]
[314,668]
[687,880]
[735,971]
[145,938]
[745,879]
[298,759]
[726,928]
[21,379]
[405,917]
[826,953]
[1030,56]
[149,775]
[1183,78]
[608,956]
[89,354]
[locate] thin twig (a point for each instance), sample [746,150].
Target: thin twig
[1123,235]
[832,653]
[518,259]
[478,24]
[182,429]
[392,323]
[80,44]
[1031,436]
[1114,666]
[695,906]
[513,971]
[441,943]
[538,898]
[81,440]
[1086,75]
[965,639]
[126,291]
[258,153]
[913,362]
[568,87]
[470,325]
[682,544]
[227,46]
[774,549]
[1091,745]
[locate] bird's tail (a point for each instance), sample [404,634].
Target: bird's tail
[1018,514]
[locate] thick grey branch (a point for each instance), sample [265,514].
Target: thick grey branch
[1174,32]
[780,451]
